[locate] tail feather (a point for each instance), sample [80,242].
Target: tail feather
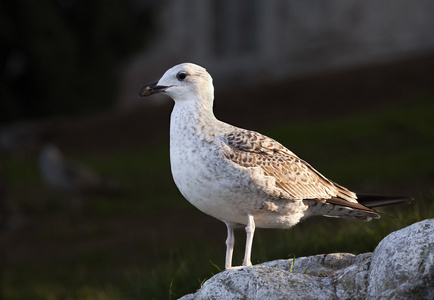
[380,200]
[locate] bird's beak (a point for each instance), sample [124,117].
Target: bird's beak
[151,89]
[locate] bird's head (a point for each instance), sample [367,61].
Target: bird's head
[183,82]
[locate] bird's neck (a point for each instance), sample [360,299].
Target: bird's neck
[193,118]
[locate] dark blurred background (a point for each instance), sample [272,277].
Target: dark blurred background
[346,85]
[63,57]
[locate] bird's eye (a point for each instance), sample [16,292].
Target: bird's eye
[181,76]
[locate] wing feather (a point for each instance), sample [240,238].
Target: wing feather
[294,178]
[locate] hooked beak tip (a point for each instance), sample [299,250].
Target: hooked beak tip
[151,89]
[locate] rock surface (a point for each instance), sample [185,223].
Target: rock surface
[401,267]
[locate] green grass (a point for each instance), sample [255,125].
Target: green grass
[109,251]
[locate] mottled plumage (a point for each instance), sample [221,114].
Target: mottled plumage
[295,179]
[241,176]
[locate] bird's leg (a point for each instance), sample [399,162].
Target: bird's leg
[230,242]
[250,230]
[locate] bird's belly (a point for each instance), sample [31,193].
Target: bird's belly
[217,188]
[204,186]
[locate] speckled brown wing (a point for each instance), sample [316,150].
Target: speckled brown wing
[294,178]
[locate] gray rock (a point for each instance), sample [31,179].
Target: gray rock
[262,282]
[401,267]
[351,282]
[403,264]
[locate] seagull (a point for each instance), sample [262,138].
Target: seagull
[242,177]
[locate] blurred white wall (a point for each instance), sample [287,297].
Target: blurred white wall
[250,40]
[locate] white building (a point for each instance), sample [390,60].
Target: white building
[250,40]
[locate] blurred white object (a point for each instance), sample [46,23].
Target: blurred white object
[69,177]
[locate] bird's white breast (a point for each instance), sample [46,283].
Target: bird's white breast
[195,166]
